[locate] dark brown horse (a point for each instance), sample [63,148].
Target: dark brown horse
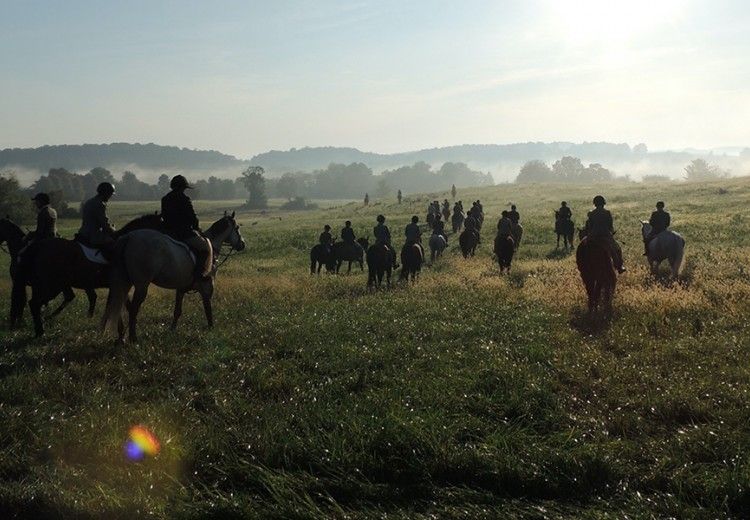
[412,257]
[504,249]
[468,240]
[564,228]
[597,272]
[321,256]
[344,252]
[54,265]
[379,265]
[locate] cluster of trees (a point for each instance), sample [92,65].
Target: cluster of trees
[701,170]
[567,169]
[352,181]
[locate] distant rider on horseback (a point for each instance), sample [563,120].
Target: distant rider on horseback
[413,234]
[383,237]
[564,212]
[660,221]
[96,231]
[599,226]
[513,214]
[438,227]
[46,219]
[181,223]
[505,225]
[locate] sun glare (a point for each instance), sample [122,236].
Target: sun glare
[610,23]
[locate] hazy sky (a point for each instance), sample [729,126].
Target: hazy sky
[244,77]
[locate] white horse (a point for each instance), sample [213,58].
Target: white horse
[146,256]
[667,245]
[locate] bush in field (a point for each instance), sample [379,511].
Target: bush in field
[701,170]
[298,203]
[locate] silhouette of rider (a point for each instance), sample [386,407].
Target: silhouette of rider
[513,214]
[413,233]
[504,224]
[660,221]
[347,233]
[599,226]
[46,219]
[325,238]
[95,230]
[383,237]
[181,223]
[564,212]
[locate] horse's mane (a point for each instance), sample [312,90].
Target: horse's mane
[139,223]
[12,226]
[218,226]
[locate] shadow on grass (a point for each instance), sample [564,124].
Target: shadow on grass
[53,355]
[591,324]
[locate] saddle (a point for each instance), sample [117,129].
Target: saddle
[93,254]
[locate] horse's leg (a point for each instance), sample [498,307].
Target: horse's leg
[349,269]
[91,295]
[68,296]
[139,294]
[178,297]
[312,266]
[35,305]
[206,296]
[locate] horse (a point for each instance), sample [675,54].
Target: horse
[430,219]
[412,257]
[379,264]
[437,246]
[457,220]
[321,256]
[564,228]
[446,214]
[146,256]
[504,249]
[468,240]
[354,252]
[55,265]
[667,245]
[598,273]
[517,233]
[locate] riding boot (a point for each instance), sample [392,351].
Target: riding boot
[200,261]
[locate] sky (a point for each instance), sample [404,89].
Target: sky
[244,77]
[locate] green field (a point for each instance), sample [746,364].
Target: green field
[467,395]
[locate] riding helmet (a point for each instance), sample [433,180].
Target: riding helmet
[41,197]
[563,203]
[599,201]
[660,204]
[179,182]
[415,219]
[106,189]
[348,223]
[380,218]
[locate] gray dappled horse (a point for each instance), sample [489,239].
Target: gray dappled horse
[667,245]
[145,257]
[438,243]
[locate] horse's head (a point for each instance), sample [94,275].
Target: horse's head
[9,231]
[364,242]
[645,228]
[226,231]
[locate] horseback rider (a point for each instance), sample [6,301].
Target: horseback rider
[660,221]
[413,234]
[399,196]
[383,237]
[599,226]
[471,224]
[453,191]
[96,231]
[438,227]
[505,225]
[181,223]
[480,207]
[513,214]
[461,205]
[367,199]
[46,220]
[325,238]
[347,233]
[446,206]
[564,212]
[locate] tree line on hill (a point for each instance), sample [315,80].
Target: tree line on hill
[571,170]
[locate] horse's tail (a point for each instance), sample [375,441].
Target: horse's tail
[119,285]
[17,300]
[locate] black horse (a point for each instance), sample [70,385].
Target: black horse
[504,249]
[412,257]
[344,252]
[468,240]
[321,256]
[564,228]
[379,265]
[54,265]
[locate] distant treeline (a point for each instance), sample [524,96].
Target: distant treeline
[335,182]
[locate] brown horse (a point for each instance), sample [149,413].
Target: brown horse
[468,240]
[54,265]
[412,257]
[379,265]
[504,249]
[597,272]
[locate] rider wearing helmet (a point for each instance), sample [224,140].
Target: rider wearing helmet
[660,221]
[347,233]
[438,226]
[383,237]
[599,226]
[505,225]
[326,239]
[513,214]
[181,223]
[413,235]
[46,219]
[96,231]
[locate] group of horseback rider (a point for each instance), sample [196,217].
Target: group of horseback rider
[96,231]
[599,226]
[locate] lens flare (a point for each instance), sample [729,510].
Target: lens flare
[141,442]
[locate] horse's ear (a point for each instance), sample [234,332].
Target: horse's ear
[233,214]
[225,213]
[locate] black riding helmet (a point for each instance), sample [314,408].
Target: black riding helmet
[381,219]
[415,219]
[179,182]
[105,189]
[348,223]
[563,203]
[599,201]
[42,198]
[660,204]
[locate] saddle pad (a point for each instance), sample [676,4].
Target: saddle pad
[184,246]
[93,255]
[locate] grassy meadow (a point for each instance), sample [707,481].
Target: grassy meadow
[466,395]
